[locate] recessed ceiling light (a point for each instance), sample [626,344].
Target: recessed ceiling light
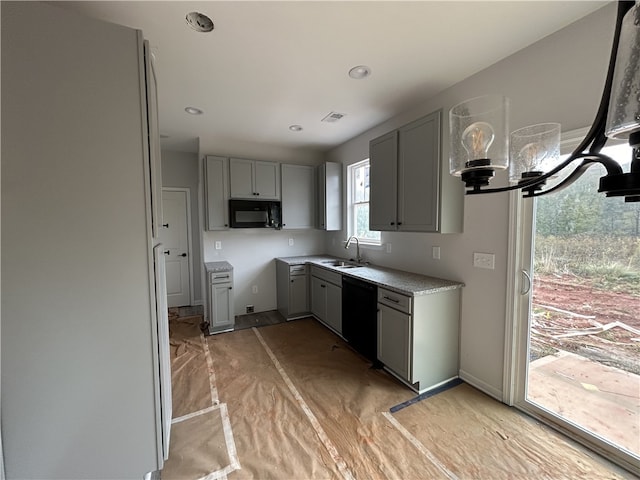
[359,72]
[199,22]
[295,128]
[193,111]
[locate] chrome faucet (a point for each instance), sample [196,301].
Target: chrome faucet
[353,237]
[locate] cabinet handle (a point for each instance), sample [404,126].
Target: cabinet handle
[230,288]
[165,225]
[226,224]
[399,223]
[167,252]
[392,223]
[182,255]
[323,286]
[391,299]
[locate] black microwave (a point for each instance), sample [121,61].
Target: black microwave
[255,214]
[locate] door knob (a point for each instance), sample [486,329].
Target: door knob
[182,255]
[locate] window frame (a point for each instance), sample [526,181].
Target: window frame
[352,205]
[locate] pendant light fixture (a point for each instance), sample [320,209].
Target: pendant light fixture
[480,144]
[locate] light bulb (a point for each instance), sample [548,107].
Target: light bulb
[531,156]
[476,140]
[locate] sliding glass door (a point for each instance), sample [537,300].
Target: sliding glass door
[577,351]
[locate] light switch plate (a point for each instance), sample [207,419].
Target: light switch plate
[435,251]
[218,245]
[484,260]
[291,242]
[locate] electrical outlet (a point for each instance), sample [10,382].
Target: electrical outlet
[435,253]
[484,260]
[218,245]
[388,248]
[254,289]
[291,242]
[249,308]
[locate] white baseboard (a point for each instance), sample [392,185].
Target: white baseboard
[482,386]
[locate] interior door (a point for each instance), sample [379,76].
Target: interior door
[175,238]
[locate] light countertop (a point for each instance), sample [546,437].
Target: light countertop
[215,267]
[412,284]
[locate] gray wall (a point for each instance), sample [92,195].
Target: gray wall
[181,169]
[252,251]
[558,79]
[77,362]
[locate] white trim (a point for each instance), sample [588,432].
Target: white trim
[512,307]
[350,205]
[481,385]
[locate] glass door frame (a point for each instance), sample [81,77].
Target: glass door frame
[517,323]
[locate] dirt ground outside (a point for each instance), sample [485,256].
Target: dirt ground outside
[570,314]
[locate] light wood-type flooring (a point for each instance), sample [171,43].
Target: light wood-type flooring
[293,401]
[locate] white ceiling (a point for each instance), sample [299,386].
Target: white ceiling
[271,64]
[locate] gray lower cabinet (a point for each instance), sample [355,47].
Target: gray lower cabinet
[418,336]
[394,340]
[292,283]
[326,297]
[220,301]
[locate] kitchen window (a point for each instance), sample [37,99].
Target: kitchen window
[358,194]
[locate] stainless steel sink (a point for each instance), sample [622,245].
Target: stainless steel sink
[341,264]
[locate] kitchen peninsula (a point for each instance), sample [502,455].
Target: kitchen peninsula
[414,326]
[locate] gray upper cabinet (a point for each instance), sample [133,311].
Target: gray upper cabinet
[216,192]
[254,179]
[410,189]
[329,176]
[383,182]
[298,196]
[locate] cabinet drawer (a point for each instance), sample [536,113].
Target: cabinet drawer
[394,300]
[331,277]
[220,277]
[297,270]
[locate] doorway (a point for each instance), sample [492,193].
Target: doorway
[573,361]
[175,236]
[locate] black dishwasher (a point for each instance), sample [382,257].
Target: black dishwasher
[360,316]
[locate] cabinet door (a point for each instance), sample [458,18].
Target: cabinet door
[334,307]
[216,192]
[394,340]
[266,180]
[241,178]
[298,196]
[319,298]
[298,301]
[419,174]
[383,156]
[321,197]
[221,306]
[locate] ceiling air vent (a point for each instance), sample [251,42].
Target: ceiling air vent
[333,117]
